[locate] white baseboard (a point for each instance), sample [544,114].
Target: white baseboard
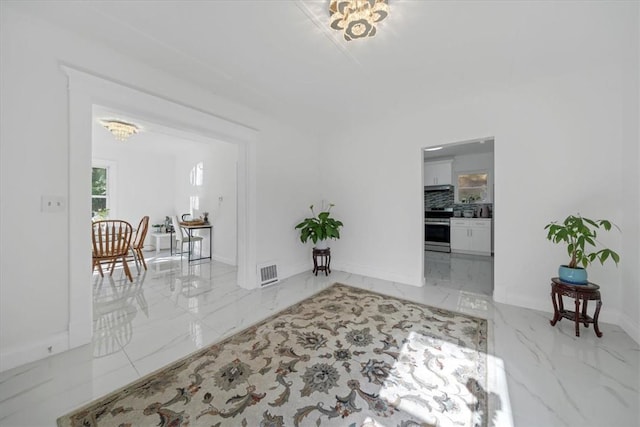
[607,314]
[289,271]
[539,304]
[378,274]
[230,261]
[285,272]
[21,355]
[297,269]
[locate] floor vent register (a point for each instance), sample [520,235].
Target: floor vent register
[268,274]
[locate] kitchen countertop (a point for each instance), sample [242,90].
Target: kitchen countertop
[473,217]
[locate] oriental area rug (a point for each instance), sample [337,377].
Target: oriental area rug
[343,357]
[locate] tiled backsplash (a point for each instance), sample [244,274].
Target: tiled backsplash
[445,199]
[438,199]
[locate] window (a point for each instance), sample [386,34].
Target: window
[100,192]
[473,187]
[196,177]
[103,189]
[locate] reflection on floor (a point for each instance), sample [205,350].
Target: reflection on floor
[470,273]
[542,375]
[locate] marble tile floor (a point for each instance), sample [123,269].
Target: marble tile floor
[470,273]
[539,375]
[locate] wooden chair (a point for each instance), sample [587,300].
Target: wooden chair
[183,237]
[138,241]
[111,243]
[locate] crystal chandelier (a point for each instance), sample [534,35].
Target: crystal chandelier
[120,130]
[357,18]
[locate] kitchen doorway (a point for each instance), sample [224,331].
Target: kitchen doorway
[459,212]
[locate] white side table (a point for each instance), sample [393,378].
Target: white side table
[158,237]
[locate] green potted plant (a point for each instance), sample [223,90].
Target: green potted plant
[319,228]
[579,234]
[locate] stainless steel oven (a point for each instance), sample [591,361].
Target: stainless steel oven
[437,229]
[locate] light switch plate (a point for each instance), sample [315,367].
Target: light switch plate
[51,204]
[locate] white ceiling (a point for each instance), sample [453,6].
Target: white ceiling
[280,57]
[479,146]
[152,136]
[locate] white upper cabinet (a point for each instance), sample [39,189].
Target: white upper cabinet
[438,172]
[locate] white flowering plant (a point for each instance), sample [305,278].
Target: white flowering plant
[319,227]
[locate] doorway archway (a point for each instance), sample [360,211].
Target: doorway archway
[87,90]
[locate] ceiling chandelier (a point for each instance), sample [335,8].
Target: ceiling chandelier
[120,130]
[357,18]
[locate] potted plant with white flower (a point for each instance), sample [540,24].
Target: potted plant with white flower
[319,228]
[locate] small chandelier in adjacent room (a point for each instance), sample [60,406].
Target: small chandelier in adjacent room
[120,130]
[357,18]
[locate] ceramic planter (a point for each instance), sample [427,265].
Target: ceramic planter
[322,244]
[575,276]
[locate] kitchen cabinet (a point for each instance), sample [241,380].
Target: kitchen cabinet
[438,172]
[471,235]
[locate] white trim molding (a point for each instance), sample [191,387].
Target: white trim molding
[86,91]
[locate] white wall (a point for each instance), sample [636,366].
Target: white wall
[289,202]
[153,177]
[372,173]
[34,150]
[221,200]
[630,203]
[218,162]
[558,147]
[144,179]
